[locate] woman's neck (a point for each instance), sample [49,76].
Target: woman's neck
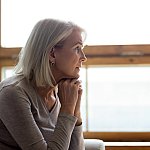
[45,92]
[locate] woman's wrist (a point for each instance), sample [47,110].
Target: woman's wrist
[79,122]
[67,111]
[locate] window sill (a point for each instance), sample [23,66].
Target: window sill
[127,144]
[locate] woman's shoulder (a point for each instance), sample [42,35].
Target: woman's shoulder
[15,88]
[11,81]
[17,83]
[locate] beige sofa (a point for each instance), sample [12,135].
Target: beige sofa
[94,144]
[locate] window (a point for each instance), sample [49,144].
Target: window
[7,72]
[118,99]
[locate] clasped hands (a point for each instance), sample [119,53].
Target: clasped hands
[69,93]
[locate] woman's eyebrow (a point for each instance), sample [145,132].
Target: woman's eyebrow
[78,43]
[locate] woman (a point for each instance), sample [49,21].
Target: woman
[40,105]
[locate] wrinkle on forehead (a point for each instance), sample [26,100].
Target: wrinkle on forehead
[74,38]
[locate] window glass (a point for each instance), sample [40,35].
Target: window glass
[119,98]
[7,72]
[107,22]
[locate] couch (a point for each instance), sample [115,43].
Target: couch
[94,144]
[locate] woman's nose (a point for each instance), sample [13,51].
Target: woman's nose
[83,57]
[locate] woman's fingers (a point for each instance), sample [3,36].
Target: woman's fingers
[69,92]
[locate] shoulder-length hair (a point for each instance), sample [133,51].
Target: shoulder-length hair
[34,57]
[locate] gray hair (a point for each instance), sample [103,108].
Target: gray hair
[34,57]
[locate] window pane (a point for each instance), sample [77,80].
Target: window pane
[7,72]
[107,22]
[119,98]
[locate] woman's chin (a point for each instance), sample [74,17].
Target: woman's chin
[73,76]
[76,74]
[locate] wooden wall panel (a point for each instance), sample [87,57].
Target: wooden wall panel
[119,136]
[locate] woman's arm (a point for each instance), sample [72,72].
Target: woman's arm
[77,140]
[16,114]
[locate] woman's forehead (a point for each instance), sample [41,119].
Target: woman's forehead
[74,38]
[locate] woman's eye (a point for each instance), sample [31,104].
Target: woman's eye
[78,49]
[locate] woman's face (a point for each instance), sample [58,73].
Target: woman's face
[68,60]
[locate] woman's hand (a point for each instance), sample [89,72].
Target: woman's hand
[68,93]
[77,112]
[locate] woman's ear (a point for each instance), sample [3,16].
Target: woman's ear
[52,55]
